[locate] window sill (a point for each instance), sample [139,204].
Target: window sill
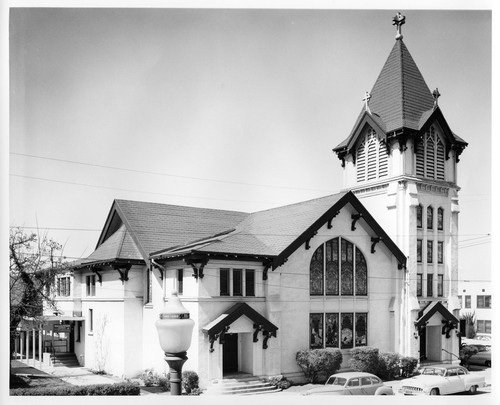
[148,305]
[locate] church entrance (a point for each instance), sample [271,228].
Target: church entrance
[230,353]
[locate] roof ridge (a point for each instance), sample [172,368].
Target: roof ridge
[178,206]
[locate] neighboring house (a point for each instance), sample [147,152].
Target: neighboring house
[475,298]
[374,265]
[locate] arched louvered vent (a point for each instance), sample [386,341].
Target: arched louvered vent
[372,161]
[430,156]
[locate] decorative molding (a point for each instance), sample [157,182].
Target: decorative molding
[256,332]
[97,272]
[123,270]
[433,188]
[355,218]
[197,271]
[374,242]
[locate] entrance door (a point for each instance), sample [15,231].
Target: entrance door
[423,345]
[230,353]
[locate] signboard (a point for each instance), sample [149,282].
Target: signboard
[61,328]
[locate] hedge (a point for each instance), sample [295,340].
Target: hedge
[319,364]
[98,389]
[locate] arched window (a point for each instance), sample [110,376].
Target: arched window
[440,219]
[430,156]
[419,216]
[430,217]
[339,266]
[371,158]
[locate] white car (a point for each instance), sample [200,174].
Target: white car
[352,383]
[442,379]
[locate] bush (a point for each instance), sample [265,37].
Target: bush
[190,381]
[365,359]
[408,366]
[99,389]
[465,354]
[319,364]
[389,366]
[280,382]
[164,382]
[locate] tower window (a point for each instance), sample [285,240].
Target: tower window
[419,250]
[429,251]
[440,219]
[430,217]
[419,216]
[430,156]
[371,158]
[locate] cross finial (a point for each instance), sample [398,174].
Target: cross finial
[436,95]
[398,21]
[367,98]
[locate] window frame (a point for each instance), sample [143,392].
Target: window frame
[420,285]
[180,281]
[440,219]
[430,251]
[420,243]
[91,321]
[440,252]
[440,285]
[468,301]
[90,284]
[420,210]
[430,281]
[430,218]
[237,286]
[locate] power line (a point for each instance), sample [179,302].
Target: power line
[164,174]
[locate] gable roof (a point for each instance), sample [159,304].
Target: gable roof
[431,309]
[400,98]
[278,232]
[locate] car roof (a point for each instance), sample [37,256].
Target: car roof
[350,374]
[447,365]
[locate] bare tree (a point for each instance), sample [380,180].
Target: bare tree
[34,262]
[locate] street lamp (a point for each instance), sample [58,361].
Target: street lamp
[175,330]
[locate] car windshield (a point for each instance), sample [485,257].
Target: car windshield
[433,371]
[336,381]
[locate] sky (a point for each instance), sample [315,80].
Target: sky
[234,109]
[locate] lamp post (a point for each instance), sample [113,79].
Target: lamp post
[175,330]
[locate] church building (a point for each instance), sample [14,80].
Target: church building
[373,265]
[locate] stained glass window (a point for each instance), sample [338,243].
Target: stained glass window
[419,250]
[346,332]
[347,276]
[429,251]
[440,219]
[430,216]
[440,252]
[419,284]
[332,267]
[429,285]
[361,274]
[332,330]
[316,272]
[316,330]
[419,216]
[361,329]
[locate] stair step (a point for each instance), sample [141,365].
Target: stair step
[249,385]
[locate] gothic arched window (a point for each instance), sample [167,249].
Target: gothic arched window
[338,267]
[440,219]
[430,156]
[430,217]
[371,158]
[419,216]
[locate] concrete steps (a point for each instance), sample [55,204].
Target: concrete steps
[250,385]
[64,359]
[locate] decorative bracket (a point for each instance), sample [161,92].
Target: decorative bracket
[98,274]
[309,240]
[374,242]
[212,339]
[123,270]
[222,335]
[448,326]
[331,219]
[355,218]
[197,271]
[159,267]
[402,143]
[256,332]
[266,269]
[267,335]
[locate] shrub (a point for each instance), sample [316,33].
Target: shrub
[319,364]
[465,354]
[195,391]
[164,382]
[408,366]
[365,359]
[190,381]
[149,377]
[99,389]
[280,382]
[389,366]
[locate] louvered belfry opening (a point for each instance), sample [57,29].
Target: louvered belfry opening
[430,156]
[371,158]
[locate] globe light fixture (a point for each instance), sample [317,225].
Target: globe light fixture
[175,330]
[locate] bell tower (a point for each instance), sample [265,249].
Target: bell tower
[400,160]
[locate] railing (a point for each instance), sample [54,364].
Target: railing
[453,354]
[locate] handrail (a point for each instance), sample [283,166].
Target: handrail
[453,354]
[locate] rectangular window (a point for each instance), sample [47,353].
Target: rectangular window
[237,282]
[440,219]
[460,300]
[484,301]
[487,326]
[250,283]
[429,251]
[440,285]
[429,285]
[419,284]
[224,282]
[430,217]
[180,281]
[419,216]
[90,281]
[361,329]
[419,250]
[316,331]
[332,330]
[346,331]
[149,283]
[91,320]
[440,252]
[467,301]
[63,286]
[480,326]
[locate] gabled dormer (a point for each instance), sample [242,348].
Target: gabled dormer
[400,131]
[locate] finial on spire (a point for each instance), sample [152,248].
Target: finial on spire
[436,95]
[367,98]
[398,21]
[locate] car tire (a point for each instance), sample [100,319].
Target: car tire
[434,391]
[488,364]
[473,389]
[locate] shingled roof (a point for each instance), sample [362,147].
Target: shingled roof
[400,99]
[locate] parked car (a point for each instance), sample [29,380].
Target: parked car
[482,357]
[483,336]
[352,383]
[442,379]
